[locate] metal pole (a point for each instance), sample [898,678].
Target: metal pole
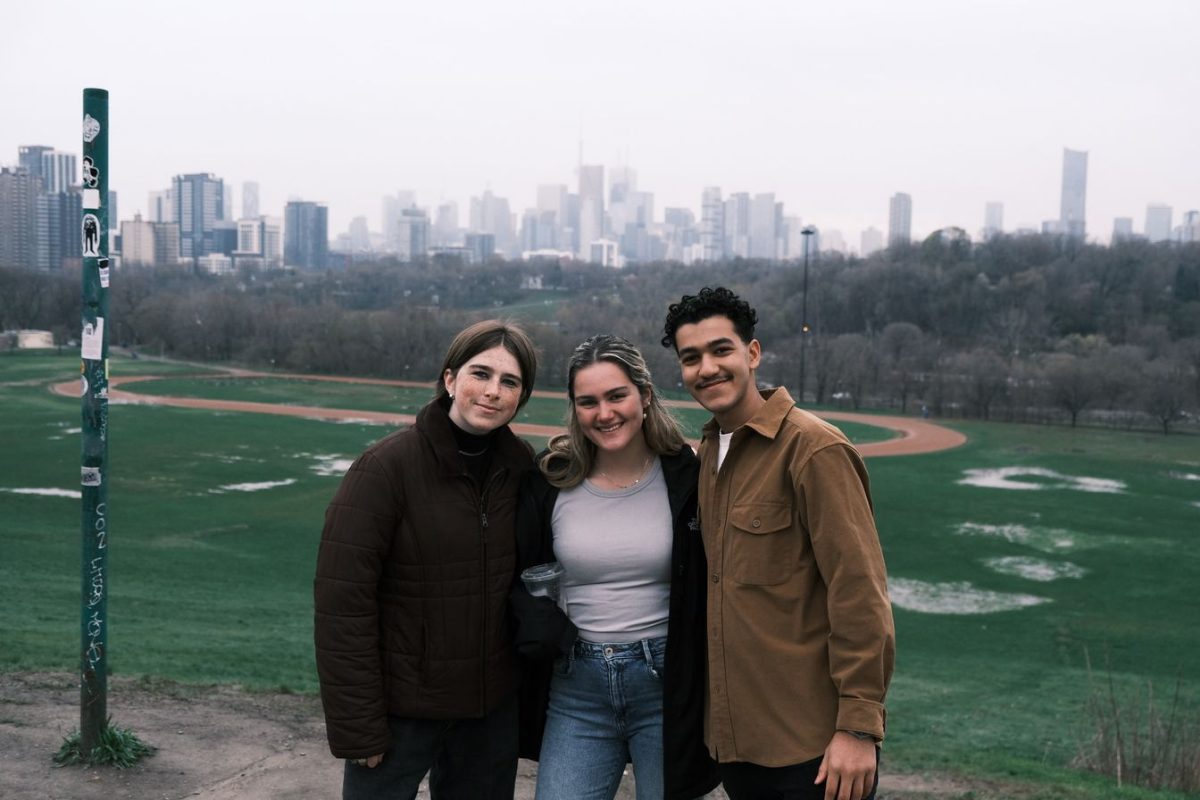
[807,232]
[93,678]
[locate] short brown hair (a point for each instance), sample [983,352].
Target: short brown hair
[474,339]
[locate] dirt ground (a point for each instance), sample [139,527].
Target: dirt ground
[219,743]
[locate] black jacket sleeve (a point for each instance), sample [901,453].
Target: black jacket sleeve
[543,630]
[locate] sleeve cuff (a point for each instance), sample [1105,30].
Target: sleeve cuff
[863,716]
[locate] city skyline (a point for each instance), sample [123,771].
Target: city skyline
[831,110]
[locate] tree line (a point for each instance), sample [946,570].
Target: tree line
[1022,328]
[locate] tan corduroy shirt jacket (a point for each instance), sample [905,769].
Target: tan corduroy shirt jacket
[801,641]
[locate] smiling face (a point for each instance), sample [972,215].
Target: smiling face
[718,369]
[608,406]
[486,391]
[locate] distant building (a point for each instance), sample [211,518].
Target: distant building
[413,235]
[737,225]
[392,206]
[445,225]
[249,199]
[359,235]
[259,243]
[227,203]
[1073,207]
[1158,222]
[899,219]
[59,233]
[479,247]
[166,243]
[197,203]
[59,171]
[159,207]
[29,158]
[870,241]
[712,224]
[591,206]
[993,219]
[305,235]
[137,242]
[764,226]
[1189,231]
[492,214]
[19,191]
[1122,228]
[606,253]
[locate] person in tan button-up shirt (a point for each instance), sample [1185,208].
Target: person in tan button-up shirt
[801,641]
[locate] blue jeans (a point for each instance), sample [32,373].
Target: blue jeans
[606,706]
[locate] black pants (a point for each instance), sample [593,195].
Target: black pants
[745,781]
[468,759]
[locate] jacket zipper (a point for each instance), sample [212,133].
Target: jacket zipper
[483,629]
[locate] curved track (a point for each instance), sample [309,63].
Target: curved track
[915,436]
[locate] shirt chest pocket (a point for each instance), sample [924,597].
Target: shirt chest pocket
[763,547]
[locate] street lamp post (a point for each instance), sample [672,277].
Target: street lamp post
[807,231]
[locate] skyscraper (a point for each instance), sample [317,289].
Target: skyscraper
[413,238]
[249,199]
[737,225]
[59,236]
[1073,209]
[305,235]
[60,171]
[591,207]
[900,219]
[764,226]
[993,219]
[712,224]
[197,202]
[137,242]
[160,206]
[1122,228]
[870,241]
[19,191]
[29,158]
[1158,222]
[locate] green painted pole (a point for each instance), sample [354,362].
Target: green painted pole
[93,683]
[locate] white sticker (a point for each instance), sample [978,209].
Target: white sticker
[91,198]
[84,385]
[89,476]
[91,236]
[104,273]
[93,339]
[91,175]
[91,127]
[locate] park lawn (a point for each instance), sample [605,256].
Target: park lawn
[214,584]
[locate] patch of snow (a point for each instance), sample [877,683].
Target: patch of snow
[1008,478]
[73,493]
[253,487]
[1034,569]
[1185,476]
[1047,540]
[955,598]
[331,466]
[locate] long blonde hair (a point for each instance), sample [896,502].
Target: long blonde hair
[571,455]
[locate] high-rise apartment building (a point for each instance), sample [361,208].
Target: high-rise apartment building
[197,203]
[1189,231]
[59,171]
[1122,228]
[1158,222]
[492,214]
[166,243]
[899,219]
[259,243]
[712,224]
[993,219]
[29,158]
[359,235]
[392,206]
[19,190]
[160,206]
[445,225]
[1073,207]
[306,235]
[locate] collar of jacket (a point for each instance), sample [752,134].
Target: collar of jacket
[769,418]
[433,422]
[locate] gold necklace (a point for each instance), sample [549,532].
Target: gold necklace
[636,481]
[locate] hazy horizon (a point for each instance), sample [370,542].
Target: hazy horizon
[833,107]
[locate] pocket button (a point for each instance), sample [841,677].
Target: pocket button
[757,523]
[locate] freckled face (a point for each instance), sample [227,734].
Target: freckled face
[608,406]
[486,391]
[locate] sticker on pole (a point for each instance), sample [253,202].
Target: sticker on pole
[91,128]
[103,273]
[93,339]
[83,385]
[91,199]
[91,236]
[91,175]
[89,476]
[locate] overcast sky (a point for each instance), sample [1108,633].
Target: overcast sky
[832,105]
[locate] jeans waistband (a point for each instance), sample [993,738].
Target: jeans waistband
[636,649]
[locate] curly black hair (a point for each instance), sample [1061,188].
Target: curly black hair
[710,303]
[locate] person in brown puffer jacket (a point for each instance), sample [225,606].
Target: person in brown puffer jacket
[413,642]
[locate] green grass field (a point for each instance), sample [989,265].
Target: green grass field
[214,584]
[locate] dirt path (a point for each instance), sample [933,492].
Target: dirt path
[915,436]
[221,743]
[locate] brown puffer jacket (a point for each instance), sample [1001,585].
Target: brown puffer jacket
[411,593]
